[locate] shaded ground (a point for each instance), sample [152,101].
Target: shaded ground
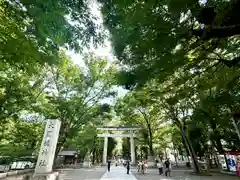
[118,173]
[180,174]
[83,174]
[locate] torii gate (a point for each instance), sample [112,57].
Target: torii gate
[131,135]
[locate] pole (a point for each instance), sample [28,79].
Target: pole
[105,150]
[236,128]
[132,146]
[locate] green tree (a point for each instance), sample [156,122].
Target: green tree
[156,39]
[86,140]
[111,146]
[126,148]
[31,35]
[136,109]
[23,138]
[74,94]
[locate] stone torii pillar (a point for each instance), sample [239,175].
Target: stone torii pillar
[130,135]
[105,150]
[132,146]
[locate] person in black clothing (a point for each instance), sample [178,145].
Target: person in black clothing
[109,165]
[128,166]
[167,165]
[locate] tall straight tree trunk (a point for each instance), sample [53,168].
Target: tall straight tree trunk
[94,155]
[150,144]
[175,155]
[221,150]
[94,151]
[186,148]
[191,152]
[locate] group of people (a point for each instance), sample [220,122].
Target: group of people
[127,164]
[142,166]
[168,167]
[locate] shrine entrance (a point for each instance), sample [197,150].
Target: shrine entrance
[131,135]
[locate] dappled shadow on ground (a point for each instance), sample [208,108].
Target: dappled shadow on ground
[152,174]
[83,174]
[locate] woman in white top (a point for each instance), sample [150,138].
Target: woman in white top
[160,167]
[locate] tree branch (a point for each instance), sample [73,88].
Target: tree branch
[221,32]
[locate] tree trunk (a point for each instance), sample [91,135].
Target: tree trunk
[191,152]
[94,155]
[186,149]
[94,150]
[60,145]
[150,143]
[208,162]
[221,150]
[225,157]
[216,160]
[61,139]
[166,155]
[175,154]
[176,161]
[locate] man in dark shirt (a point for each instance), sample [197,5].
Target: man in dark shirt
[167,165]
[109,165]
[128,166]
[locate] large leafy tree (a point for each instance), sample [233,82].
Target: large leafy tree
[157,38]
[53,24]
[86,140]
[31,35]
[181,51]
[73,94]
[21,137]
[137,109]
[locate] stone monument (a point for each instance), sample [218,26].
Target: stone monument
[43,169]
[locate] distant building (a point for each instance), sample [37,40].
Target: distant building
[68,156]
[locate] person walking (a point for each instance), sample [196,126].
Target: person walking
[128,166]
[160,167]
[140,163]
[168,167]
[109,165]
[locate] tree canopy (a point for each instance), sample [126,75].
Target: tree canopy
[155,39]
[179,59]
[183,58]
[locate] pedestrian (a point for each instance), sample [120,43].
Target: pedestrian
[160,167]
[168,167]
[109,165]
[128,166]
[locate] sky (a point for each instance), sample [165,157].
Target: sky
[104,51]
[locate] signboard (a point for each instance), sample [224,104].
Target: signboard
[48,147]
[116,135]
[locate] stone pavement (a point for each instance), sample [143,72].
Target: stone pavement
[83,174]
[118,173]
[180,174]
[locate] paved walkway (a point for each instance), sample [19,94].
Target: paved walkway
[118,173]
[180,174]
[83,174]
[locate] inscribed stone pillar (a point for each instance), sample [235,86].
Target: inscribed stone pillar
[48,147]
[132,145]
[105,150]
